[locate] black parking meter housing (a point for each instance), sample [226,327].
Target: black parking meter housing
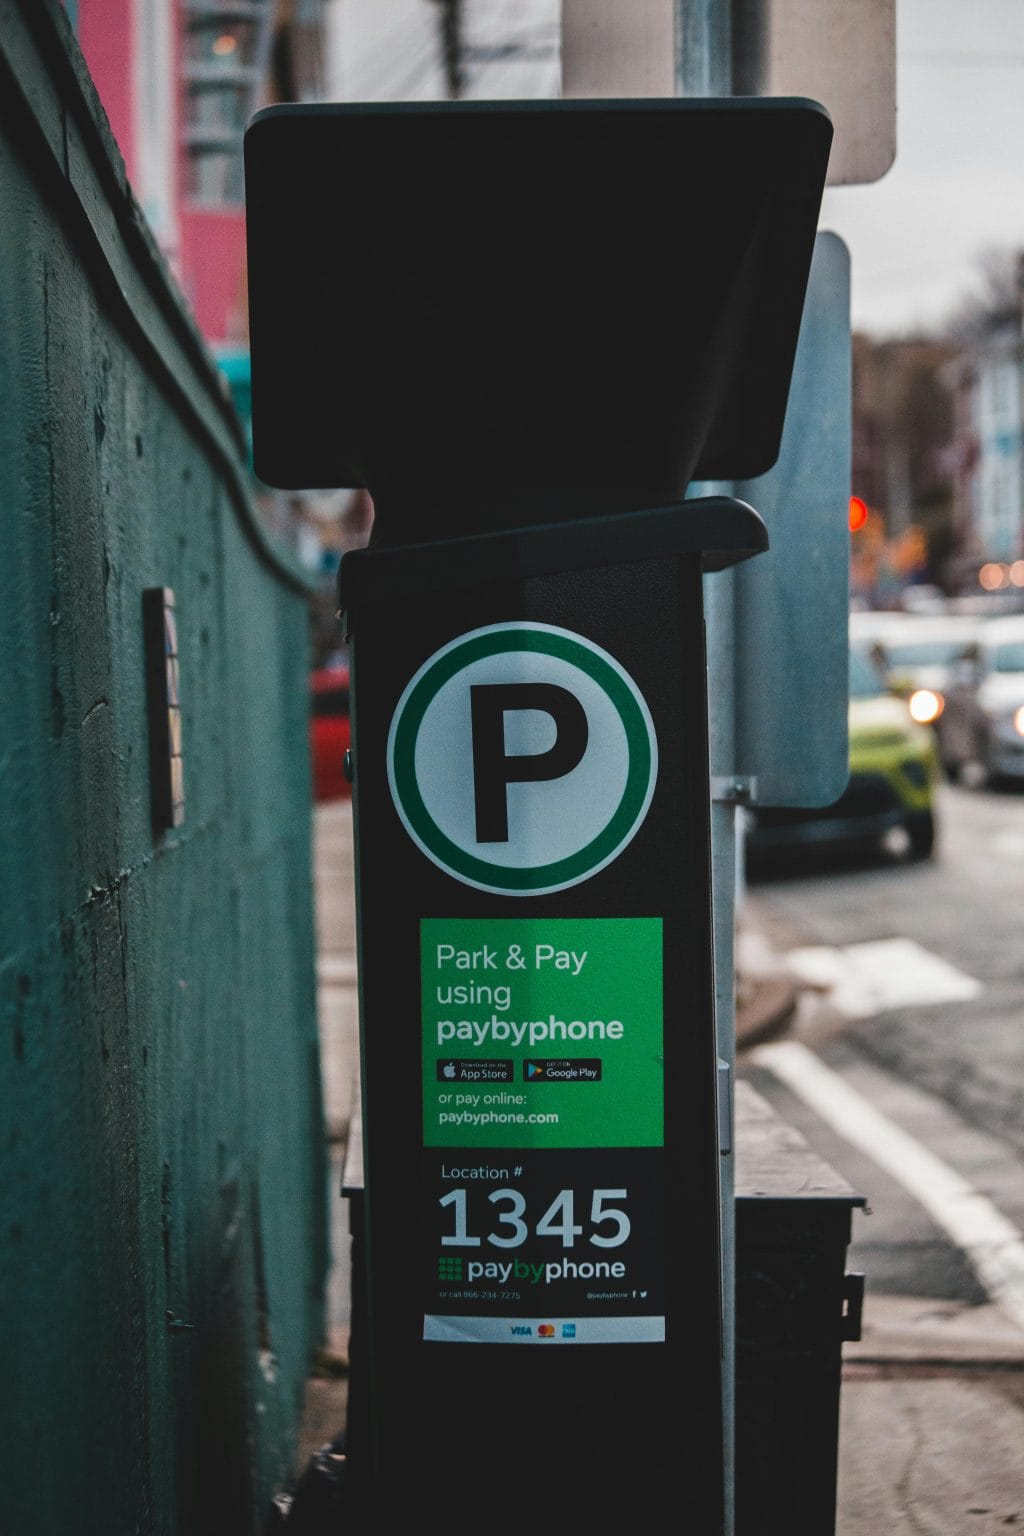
[526,328]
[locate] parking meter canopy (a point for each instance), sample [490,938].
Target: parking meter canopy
[522,297]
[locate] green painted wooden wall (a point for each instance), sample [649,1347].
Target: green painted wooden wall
[162,1156]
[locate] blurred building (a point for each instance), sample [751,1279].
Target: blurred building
[988,450]
[179,80]
[999,479]
[985,455]
[903,414]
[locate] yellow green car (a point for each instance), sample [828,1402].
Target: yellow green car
[894,772]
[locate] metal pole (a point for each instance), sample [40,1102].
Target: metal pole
[704,47]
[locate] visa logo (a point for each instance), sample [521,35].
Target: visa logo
[521,1330]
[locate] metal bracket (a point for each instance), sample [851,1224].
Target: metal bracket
[734,788]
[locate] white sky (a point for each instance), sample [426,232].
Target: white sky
[956,187]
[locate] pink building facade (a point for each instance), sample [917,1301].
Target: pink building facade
[179,80]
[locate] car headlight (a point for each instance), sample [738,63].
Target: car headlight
[1006,725]
[1004,721]
[925,705]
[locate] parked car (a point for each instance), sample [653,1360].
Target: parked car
[894,771]
[329,731]
[918,654]
[983,720]
[923,598]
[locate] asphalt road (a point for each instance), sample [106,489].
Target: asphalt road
[964,908]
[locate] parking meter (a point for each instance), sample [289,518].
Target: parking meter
[510,322]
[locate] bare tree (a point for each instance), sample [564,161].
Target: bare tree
[995,301]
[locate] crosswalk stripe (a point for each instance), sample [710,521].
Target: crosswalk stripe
[869,978]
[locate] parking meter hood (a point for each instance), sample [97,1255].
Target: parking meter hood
[532,299]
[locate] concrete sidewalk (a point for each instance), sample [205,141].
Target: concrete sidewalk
[932,1400]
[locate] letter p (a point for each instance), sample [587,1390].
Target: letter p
[494,770]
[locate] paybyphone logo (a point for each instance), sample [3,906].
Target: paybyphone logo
[522,758]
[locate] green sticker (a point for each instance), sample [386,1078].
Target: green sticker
[542,1032]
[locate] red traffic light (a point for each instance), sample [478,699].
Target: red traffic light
[858,513]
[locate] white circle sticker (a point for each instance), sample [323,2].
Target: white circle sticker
[522,758]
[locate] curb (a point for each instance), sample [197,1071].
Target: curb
[767,991]
[766,1010]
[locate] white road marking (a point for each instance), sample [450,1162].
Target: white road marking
[993,1244]
[865,979]
[1009,845]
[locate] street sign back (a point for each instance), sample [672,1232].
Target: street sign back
[791,606]
[839,52]
[843,53]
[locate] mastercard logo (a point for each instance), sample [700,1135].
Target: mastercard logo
[546,1331]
